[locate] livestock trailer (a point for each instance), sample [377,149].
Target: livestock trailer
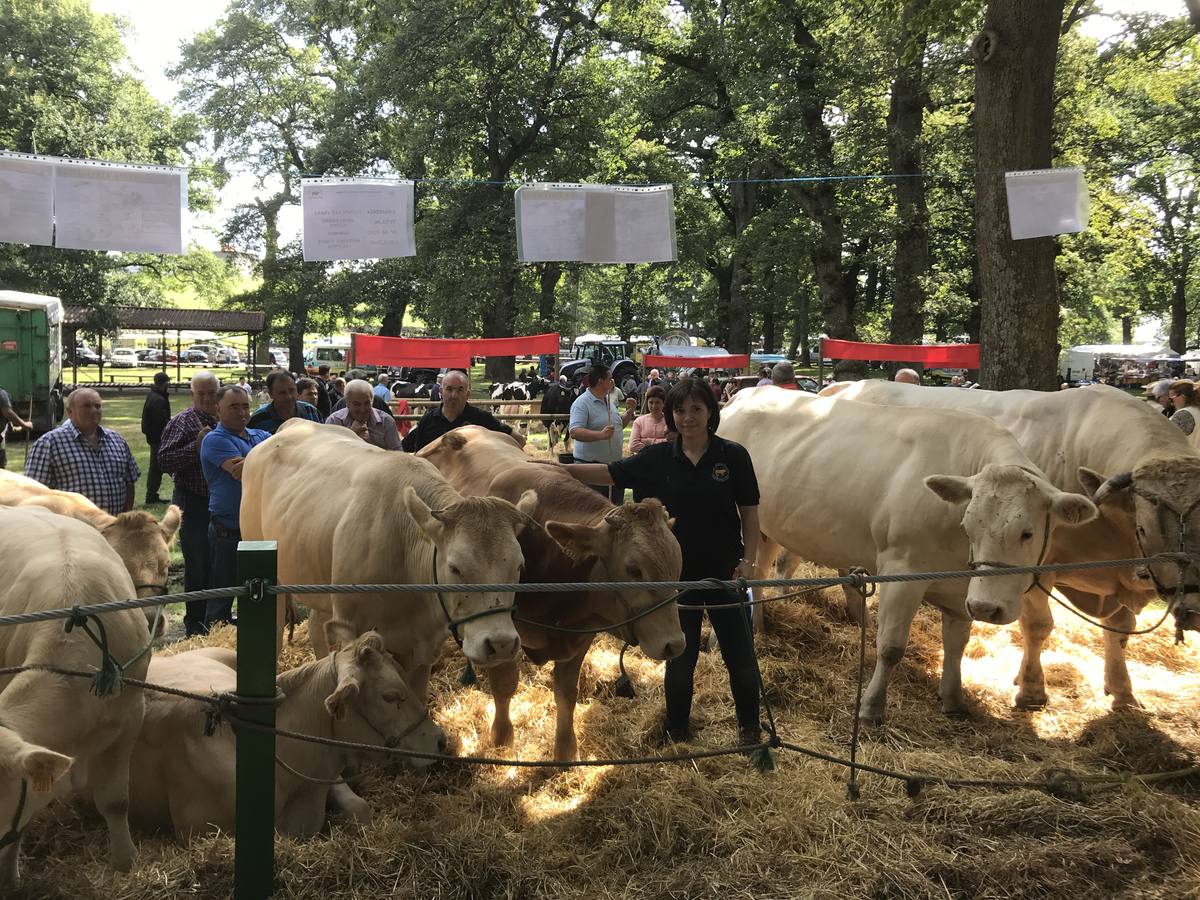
[31,356]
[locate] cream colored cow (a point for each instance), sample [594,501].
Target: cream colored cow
[185,782]
[50,724]
[847,484]
[142,542]
[1143,473]
[346,512]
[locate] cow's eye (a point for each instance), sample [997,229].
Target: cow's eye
[393,697]
[454,570]
[1026,535]
[635,572]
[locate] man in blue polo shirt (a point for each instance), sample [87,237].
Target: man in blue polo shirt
[222,453]
[595,424]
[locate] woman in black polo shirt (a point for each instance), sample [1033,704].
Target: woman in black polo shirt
[708,486]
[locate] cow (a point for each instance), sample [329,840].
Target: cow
[951,491]
[517,392]
[142,542]
[581,537]
[184,781]
[49,723]
[557,402]
[412,390]
[387,518]
[1143,474]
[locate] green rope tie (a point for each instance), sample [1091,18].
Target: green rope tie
[108,677]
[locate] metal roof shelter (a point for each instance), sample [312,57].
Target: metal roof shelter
[164,319]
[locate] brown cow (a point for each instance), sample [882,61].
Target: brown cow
[585,538]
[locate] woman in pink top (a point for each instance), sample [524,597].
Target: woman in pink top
[650,428]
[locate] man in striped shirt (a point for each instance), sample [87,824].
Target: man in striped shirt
[179,454]
[81,456]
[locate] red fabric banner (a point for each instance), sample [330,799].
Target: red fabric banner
[371,349]
[958,356]
[731,361]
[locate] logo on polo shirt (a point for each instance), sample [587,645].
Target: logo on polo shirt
[720,472]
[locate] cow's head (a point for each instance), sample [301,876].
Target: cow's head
[1161,498]
[144,545]
[633,542]
[39,768]
[1008,513]
[475,541]
[373,702]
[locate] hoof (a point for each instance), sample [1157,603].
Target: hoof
[502,737]
[956,711]
[1127,702]
[868,717]
[1031,700]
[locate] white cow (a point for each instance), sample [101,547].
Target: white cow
[143,543]
[50,724]
[848,484]
[185,781]
[379,521]
[1141,470]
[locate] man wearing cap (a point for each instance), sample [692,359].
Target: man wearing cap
[156,413]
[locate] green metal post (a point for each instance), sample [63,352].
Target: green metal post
[254,849]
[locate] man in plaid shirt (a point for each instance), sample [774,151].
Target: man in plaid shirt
[81,456]
[179,454]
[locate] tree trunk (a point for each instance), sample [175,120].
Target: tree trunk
[392,324]
[800,331]
[1126,329]
[724,277]
[625,312]
[743,197]
[1181,274]
[905,118]
[500,317]
[549,274]
[1015,58]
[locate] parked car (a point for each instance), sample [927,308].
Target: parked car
[278,357]
[195,355]
[159,356]
[123,358]
[803,381]
[142,353]
[86,356]
[227,356]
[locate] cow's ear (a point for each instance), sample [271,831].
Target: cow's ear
[368,645]
[1072,509]
[452,440]
[951,488]
[579,541]
[43,767]
[169,526]
[339,633]
[344,693]
[430,526]
[528,503]
[1090,480]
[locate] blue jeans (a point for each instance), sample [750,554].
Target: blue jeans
[224,543]
[732,627]
[197,555]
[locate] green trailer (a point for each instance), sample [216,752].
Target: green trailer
[31,356]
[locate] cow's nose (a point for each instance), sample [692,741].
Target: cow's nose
[986,612]
[502,647]
[673,649]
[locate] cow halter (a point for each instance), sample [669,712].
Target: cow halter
[1036,580]
[1182,589]
[14,829]
[453,623]
[394,741]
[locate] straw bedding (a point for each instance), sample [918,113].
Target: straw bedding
[719,828]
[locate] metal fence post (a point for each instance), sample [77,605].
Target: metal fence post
[254,846]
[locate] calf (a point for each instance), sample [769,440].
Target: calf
[185,781]
[50,724]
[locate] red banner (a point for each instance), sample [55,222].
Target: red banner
[374,350]
[731,361]
[958,356]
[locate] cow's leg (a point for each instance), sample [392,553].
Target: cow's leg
[956,631]
[346,806]
[1036,624]
[898,603]
[1116,673]
[768,552]
[856,603]
[110,791]
[418,680]
[316,631]
[503,681]
[566,693]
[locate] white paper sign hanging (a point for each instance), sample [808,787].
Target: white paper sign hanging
[357,218]
[107,206]
[596,223]
[1045,202]
[26,200]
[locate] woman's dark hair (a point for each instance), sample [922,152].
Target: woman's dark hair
[656,393]
[688,389]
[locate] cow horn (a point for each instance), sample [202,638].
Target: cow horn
[1112,486]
